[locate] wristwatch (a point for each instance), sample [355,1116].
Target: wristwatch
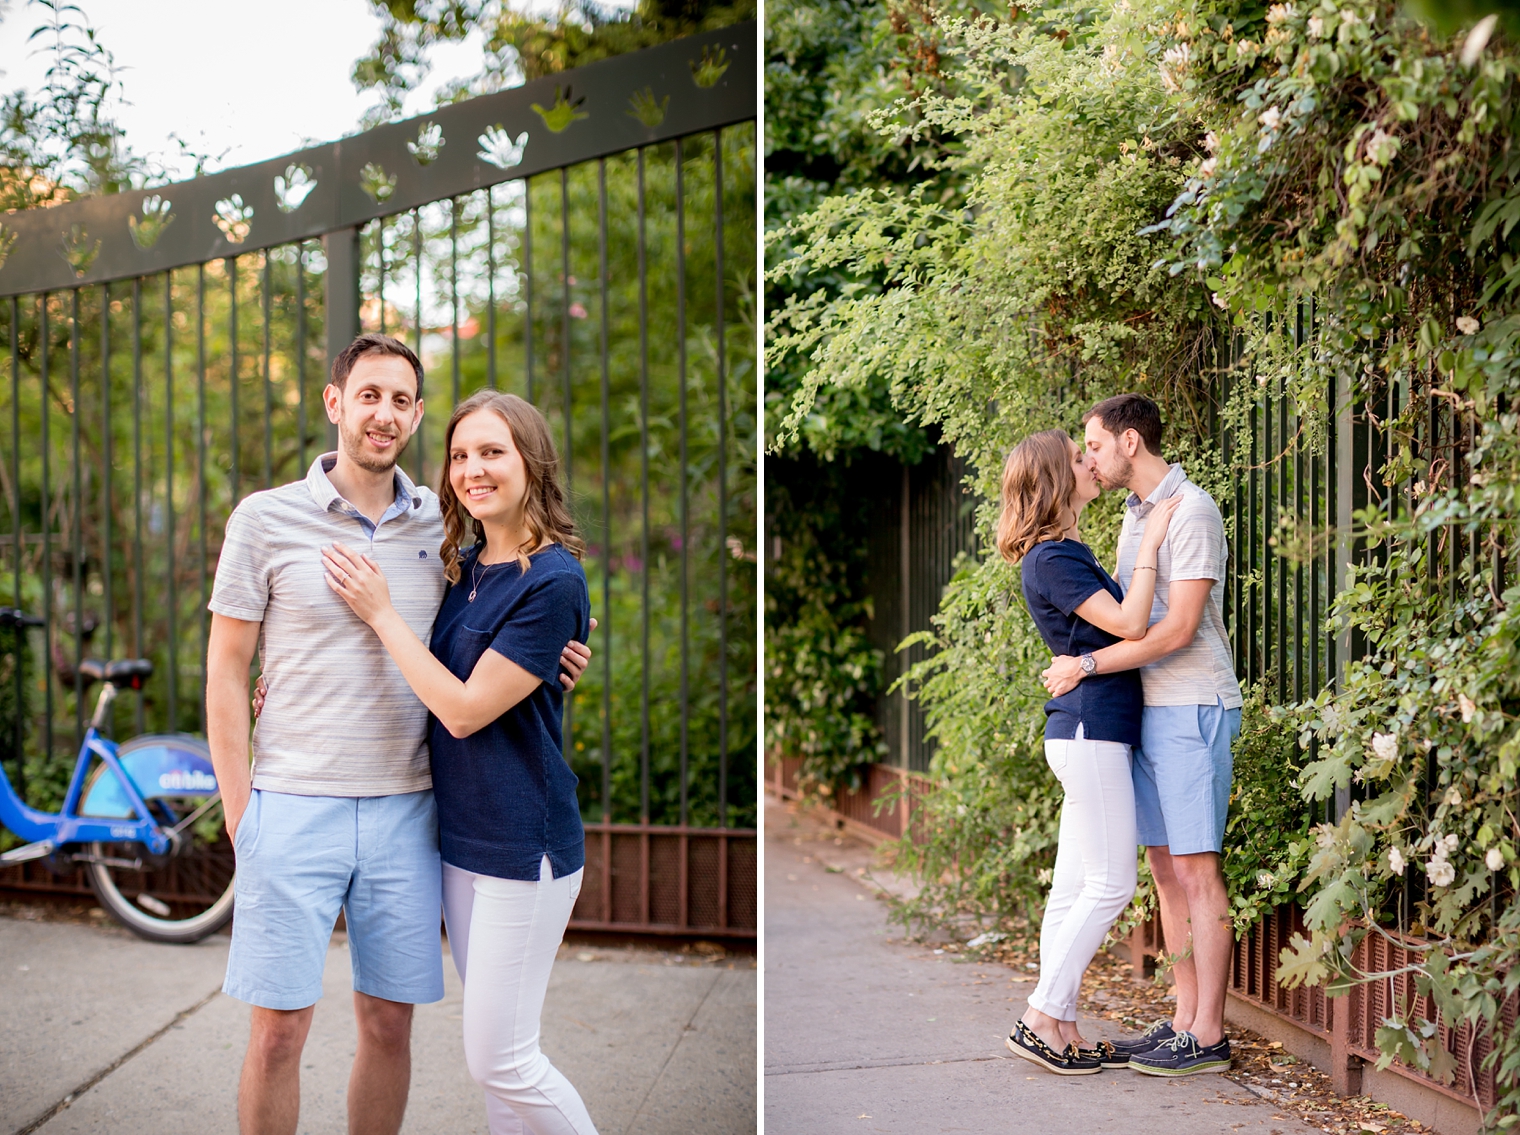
[1089,665]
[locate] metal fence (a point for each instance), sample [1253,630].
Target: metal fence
[587,241]
[926,522]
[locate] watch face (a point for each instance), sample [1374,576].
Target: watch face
[1089,663]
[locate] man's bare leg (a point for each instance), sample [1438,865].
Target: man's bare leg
[1176,934]
[1202,880]
[382,1073]
[269,1092]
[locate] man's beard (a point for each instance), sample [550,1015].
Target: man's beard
[353,445]
[1120,477]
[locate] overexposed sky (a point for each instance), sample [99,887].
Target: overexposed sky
[254,79]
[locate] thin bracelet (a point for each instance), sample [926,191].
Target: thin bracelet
[1144,567]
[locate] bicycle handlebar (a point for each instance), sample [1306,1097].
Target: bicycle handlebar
[16,617]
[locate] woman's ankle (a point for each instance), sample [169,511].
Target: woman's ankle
[1044,1026]
[1038,1020]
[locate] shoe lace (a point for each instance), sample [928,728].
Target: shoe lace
[1184,1041]
[1154,1029]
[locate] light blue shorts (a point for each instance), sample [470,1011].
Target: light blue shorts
[302,858]
[1182,773]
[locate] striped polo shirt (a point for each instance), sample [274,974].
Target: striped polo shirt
[339,720]
[1195,547]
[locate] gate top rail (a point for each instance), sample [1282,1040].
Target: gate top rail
[683,87]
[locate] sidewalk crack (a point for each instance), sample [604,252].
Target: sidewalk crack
[686,1028]
[70,1098]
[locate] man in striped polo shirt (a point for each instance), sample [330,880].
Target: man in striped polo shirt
[1183,767]
[337,810]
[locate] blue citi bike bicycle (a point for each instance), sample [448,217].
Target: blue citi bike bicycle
[143,819]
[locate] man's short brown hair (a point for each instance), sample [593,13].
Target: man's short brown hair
[373,343]
[1129,412]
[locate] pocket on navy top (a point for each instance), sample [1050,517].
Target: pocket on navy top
[465,651]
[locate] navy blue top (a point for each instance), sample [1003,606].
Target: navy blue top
[506,797]
[1058,577]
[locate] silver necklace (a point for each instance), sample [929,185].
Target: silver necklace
[475,578]
[476,573]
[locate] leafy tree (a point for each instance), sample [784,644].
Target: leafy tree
[62,142]
[518,46]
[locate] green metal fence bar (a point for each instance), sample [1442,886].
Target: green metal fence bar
[683,457]
[204,559]
[644,497]
[171,670]
[45,344]
[107,463]
[723,552]
[76,503]
[606,453]
[16,535]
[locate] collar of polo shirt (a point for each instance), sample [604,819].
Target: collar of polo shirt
[1168,488]
[325,495]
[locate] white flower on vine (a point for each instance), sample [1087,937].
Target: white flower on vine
[1211,141]
[1220,302]
[1280,14]
[1448,844]
[1179,55]
[1270,118]
[1467,706]
[1266,880]
[1468,325]
[1331,716]
[1316,27]
[1324,836]
[1382,146]
[1494,859]
[1206,168]
[1452,799]
[1395,861]
[1385,746]
[1043,876]
[1440,873]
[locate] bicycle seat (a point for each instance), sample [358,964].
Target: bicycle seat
[126,672]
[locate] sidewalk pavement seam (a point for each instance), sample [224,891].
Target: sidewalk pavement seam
[73,1096]
[686,1028]
[890,1062]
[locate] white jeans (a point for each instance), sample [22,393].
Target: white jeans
[1094,877]
[504,934]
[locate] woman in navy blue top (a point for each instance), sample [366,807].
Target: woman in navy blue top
[1090,732]
[509,823]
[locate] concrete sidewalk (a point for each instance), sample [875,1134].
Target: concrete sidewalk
[867,1033]
[656,1042]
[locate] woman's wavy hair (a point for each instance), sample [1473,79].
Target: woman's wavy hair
[1038,485]
[545,513]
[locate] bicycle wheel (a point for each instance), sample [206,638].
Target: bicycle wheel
[181,896]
